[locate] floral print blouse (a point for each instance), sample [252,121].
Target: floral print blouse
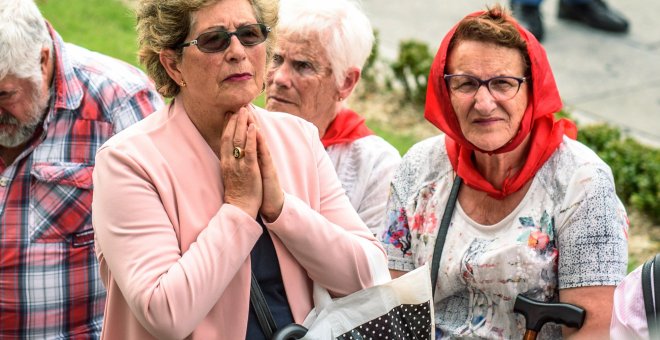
[570,230]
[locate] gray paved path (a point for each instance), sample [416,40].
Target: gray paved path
[601,76]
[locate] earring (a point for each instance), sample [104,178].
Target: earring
[183,83]
[340,98]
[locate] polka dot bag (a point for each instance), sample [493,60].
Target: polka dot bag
[399,309]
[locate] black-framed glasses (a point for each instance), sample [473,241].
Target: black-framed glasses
[219,40]
[501,88]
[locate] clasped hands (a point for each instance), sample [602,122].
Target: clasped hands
[248,173]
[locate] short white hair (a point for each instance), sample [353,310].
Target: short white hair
[344,30]
[23,33]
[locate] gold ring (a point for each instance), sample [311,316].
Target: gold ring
[238,152]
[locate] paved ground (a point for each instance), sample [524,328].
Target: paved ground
[601,76]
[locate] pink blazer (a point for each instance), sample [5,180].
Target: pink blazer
[176,260]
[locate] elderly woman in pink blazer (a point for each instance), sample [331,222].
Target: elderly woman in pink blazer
[192,200]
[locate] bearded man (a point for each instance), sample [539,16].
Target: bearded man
[58,104]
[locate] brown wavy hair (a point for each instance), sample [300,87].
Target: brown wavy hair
[164,24]
[493,26]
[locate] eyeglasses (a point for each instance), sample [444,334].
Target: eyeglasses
[501,88]
[219,40]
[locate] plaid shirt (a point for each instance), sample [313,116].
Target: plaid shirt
[49,276]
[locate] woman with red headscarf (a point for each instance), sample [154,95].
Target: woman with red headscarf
[536,214]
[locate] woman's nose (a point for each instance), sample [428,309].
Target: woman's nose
[484,101]
[235,50]
[281,75]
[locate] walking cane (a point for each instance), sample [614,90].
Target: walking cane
[537,313]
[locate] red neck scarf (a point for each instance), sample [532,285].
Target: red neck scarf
[538,122]
[347,127]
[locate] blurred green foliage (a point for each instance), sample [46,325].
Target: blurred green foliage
[636,167]
[369,69]
[402,142]
[105,26]
[411,69]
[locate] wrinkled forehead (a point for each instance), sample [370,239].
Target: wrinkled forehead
[303,46]
[213,15]
[485,60]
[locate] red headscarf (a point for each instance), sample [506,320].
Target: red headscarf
[538,121]
[347,127]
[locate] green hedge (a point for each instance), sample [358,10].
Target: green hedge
[636,167]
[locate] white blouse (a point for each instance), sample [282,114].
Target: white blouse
[365,168]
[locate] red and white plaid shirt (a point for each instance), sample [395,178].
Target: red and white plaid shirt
[49,277]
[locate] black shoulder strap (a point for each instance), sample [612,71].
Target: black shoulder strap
[651,293]
[264,316]
[442,232]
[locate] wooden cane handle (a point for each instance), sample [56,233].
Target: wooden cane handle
[529,335]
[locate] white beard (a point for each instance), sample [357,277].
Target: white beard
[24,131]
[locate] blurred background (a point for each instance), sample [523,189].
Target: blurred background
[610,83]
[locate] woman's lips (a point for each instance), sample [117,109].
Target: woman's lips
[239,77]
[280,100]
[487,121]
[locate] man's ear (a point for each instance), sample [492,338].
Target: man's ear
[44,60]
[350,81]
[170,60]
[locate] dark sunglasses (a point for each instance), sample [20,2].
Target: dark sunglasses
[219,40]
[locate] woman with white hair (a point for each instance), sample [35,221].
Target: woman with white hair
[321,49]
